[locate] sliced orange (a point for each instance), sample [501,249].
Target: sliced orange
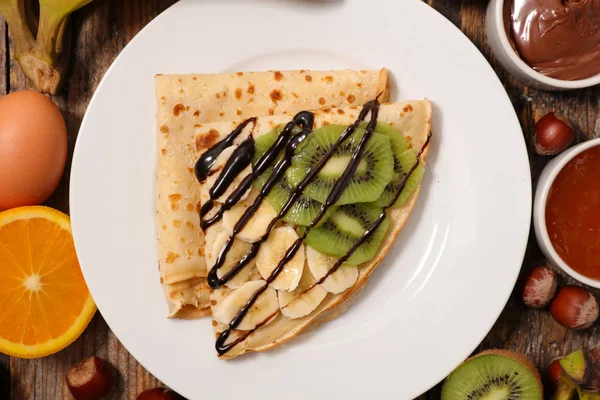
[44,302]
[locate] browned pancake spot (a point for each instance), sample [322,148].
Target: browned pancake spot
[164,227]
[190,170]
[194,78]
[163,152]
[196,113]
[200,251]
[213,302]
[328,79]
[221,114]
[295,95]
[271,111]
[321,101]
[405,109]
[340,111]
[175,199]
[410,108]
[207,139]
[176,223]
[239,112]
[189,207]
[178,109]
[275,95]
[179,80]
[302,71]
[325,123]
[342,93]
[238,93]
[277,75]
[181,240]
[239,73]
[180,90]
[350,98]
[164,129]
[198,206]
[401,115]
[171,257]
[224,93]
[189,225]
[250,89]
[308,78]
[359,84]
[214,323]
[218,95]
[327,110]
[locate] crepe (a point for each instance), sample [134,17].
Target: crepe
[410,118]
[186,103]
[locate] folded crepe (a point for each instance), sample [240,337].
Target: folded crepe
[280,315]
[186,103]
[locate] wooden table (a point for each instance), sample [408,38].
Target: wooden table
[102,29]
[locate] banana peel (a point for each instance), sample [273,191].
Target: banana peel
[44,60]
[580,376]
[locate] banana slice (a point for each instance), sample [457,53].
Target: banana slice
[258,224]
[214,173]
[302,301]
[210,235]
[237,251]
[265,306]
[272,252]
[319,264]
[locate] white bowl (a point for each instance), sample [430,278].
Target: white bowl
[539,209]
[511,61]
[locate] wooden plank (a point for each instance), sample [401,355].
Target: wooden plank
[100,31]
[534,332]
[4,360]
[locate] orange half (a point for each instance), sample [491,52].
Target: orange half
[44,302]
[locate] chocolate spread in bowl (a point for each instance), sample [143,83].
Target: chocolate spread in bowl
[558,38]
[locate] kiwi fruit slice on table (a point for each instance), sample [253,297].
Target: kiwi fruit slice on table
[494,375]
[344,227]
[374,171]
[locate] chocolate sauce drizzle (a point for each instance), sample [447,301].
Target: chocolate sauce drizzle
[370,107]
[240,159]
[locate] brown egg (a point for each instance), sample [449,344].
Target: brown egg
[33,148]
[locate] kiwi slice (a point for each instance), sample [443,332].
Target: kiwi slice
[495,374]
[374,171]
[264,143]
[304,210]
[345,226]
[405,159]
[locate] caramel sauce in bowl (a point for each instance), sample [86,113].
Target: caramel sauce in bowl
[564,214]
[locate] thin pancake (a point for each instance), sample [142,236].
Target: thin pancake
[410,118]
[184,104]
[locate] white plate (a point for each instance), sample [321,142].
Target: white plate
[437,293]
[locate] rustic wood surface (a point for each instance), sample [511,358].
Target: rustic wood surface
[102,29]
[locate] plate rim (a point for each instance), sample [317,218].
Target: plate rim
[442,19]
